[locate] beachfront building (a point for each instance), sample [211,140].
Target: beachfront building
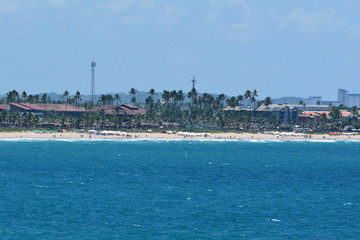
[123,109]
[309,116]
[238,109]
[44,110]
[302,108]
[4,107]
[286,114]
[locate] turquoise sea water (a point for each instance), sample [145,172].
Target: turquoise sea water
[179,190]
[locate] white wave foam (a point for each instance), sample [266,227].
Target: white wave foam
[275,220]
[173,140]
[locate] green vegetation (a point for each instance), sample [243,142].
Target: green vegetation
[174,110]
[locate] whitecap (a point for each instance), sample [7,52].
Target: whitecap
[275,220]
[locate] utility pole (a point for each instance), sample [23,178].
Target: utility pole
[93,65]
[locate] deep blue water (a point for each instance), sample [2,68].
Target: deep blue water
[179,190]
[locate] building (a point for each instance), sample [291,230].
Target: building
[285,113]
[313,100]
[44,110]
[354,99]
[123,109]
[4,107]
[332,103]
[348,99]
[302,108]
[309,116]
[343,97]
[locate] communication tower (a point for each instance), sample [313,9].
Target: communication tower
[193,80]
[93,65]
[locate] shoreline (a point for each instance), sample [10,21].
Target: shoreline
[166,136]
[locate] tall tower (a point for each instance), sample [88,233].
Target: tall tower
[193,80]
[343,97]
[93,65]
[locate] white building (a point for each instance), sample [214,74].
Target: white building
[343,97]
[313,100]
[348,99]
[354,100]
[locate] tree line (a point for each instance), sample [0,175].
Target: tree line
[168,109]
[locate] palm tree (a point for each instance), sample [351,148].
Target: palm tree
[253,97]
[24,96]
[267,101]
[117,98]
[240,98]
[44,99]
[221,97]
[66,95]
[133,92]
[31,99]
[12,96]
[77,98]
[247,95]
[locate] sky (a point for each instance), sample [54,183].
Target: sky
[279,47]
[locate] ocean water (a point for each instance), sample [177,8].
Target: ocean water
[53,189]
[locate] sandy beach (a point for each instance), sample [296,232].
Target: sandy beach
[146,135]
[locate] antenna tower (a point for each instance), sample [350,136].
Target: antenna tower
[93,65]
[193,80]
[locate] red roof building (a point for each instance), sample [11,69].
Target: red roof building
[45,109]
[4,107]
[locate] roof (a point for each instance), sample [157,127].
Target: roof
[120,109]
[316,113]
[4,106]
[327,113]
[238,108]
[48,107]
[271,107]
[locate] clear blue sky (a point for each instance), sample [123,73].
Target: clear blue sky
[279,47]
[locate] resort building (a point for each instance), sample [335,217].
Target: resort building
[44,110]
[286,114]
[4,107]
[302,108]
[309,116]
[123,109]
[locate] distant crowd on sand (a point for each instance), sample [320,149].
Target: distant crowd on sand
[179,135]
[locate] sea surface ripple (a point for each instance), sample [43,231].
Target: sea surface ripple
[179,190]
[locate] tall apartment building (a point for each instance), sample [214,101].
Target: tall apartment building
[343,97]
[348,99]
[354,99]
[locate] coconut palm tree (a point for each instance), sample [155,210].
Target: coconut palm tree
[66,95]
[24,96]
[133,92]
[253,97]
[247,95]
[12,96]
[77,98]
[44,99]
[117,98]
